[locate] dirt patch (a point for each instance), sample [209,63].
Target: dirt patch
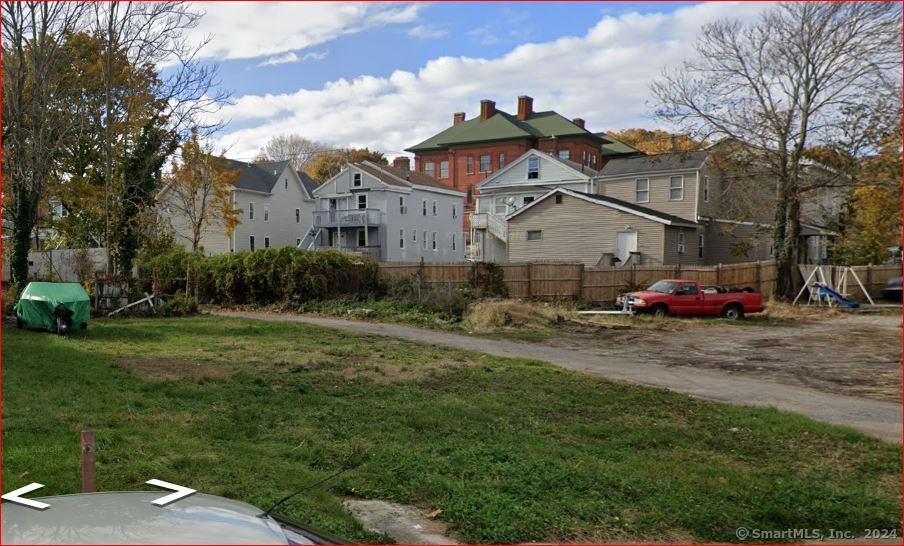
[171,369]
[850,354]
[404,524]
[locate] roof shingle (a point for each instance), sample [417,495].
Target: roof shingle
[671,161]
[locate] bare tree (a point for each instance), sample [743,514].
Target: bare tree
[154,34]
[293,148]
[791,80]
[34,123]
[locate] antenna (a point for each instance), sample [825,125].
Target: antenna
[306,488]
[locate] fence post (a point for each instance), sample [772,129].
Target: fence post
[759,277]
[869,277]
[530,284]
[633,275]
[580,294]
[718,274]
[88,469]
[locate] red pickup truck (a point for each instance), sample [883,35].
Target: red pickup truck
[688,298]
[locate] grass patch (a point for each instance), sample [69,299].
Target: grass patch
[510,450]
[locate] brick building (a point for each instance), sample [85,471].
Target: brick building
[469,151]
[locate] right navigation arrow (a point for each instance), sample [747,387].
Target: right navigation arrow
[16,497]
[180,492]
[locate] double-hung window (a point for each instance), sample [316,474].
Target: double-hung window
[362,201]
[676,188]
[485,163]
[429,168]
[642,190]
[444,169]
[533,167]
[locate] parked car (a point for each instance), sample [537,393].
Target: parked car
[130,518]
[686,297]
[892,289]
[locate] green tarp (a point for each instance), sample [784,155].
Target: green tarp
[37,306]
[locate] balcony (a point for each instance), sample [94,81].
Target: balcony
[346,218]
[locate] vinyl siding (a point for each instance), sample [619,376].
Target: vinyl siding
[281,228]
[721,238]
[550,171]
[624,189]
[670,250]
[579,231]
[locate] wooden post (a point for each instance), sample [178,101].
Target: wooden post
[580,294]
[718,274]
[633,274]
[869,276]
[88,468]
[759,277]
[530,285]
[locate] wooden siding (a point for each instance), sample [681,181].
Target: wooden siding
[624,189]
[579,231]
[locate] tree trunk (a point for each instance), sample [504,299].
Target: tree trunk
[24,222]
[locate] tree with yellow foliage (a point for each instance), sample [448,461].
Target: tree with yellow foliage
[654,141]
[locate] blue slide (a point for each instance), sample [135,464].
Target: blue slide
[823,289]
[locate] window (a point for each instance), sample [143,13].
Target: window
[428,168]
[501,160]
[528,199]
[266,242]
[564,154]
[414,236]
[706,189]
[251,211]
[297,243]
[501,206]
[485,163]
[535,235]
[286,183]
[454,211]
[468,196]
[403,209]
[453,241]
[687,289]
[402,238]
[470,164]
[676,188]
[682,247]
[700,242]
[251,242]
[423,207]
[433,243]
[558,199]
[356,180]
[434,208]
[362,238]
[266,213]
[362,201]
[642,190]
[424,240]
[297,216]
[533,167]
[444,169]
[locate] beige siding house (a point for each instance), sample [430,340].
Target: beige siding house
[599,230]
[276,210]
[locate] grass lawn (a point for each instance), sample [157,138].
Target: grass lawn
[509,450]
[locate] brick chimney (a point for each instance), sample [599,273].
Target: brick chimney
[458,117]
[525,107]
[402,162]
[487,109]
[579,122]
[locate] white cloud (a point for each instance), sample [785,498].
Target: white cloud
[427,32]
[292,57]
[247,30]
[602,76]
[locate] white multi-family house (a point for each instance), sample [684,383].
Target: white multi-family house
[388,213]
[276,207]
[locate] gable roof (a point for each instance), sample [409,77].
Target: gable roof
[259,177]
[585,172]
[618,204]
[670,161]
[309,183]
[504,126]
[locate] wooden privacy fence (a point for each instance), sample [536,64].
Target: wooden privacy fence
[552,280]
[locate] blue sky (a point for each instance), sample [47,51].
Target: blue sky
[388,75]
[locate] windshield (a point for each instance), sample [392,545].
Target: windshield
[666,287]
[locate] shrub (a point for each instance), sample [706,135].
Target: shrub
[487,280]
[179,305]
[171,268]
[11,293]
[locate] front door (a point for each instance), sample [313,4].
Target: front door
[625,244]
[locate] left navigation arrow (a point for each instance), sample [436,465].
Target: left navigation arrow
[16,497]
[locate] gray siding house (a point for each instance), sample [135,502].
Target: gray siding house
[597,229]
[524,180]
[389,213]
[276,206]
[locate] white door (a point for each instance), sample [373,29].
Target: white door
[625,244]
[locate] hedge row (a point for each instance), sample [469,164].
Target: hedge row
[266,276]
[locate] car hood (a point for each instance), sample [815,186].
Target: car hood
[645,294]
[130,518]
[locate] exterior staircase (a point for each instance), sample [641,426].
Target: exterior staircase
[310,238]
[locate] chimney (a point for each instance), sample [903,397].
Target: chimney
[525,107]
[487,109]
[402,162]
[579,122]
[458,117]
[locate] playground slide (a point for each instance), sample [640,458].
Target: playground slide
[851,304]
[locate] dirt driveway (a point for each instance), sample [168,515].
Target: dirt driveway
[853,355]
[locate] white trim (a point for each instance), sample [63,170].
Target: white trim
[682,190]
[636,180]
[688,223]
[533,152]
[642,174]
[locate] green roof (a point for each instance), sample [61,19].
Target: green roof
[616,147]
[504,126]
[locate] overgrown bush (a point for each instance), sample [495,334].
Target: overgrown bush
[11,292]
[178,305]
[171,268]
[487,280]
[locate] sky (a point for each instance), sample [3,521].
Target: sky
[389,75]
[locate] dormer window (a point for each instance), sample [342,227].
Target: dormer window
[533,168]
[564,154]
[356,180]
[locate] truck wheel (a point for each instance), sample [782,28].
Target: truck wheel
[733,312]
[659,310]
